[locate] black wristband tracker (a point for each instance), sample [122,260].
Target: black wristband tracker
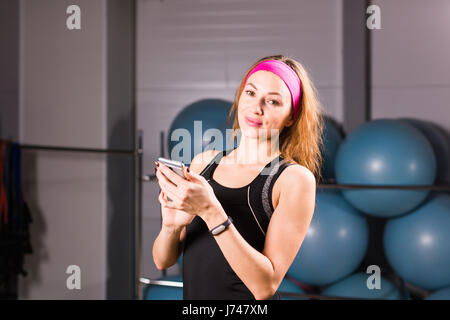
[221,227]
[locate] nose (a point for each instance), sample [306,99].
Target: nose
[256,108]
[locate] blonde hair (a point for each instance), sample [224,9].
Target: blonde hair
[302,141]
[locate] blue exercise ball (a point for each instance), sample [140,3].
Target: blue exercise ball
[159,292]
[385,152]
[290,287]
[417,245]
[443,294]
[440,142]
[355,286]
[199,127]
[335,243]
[332,139]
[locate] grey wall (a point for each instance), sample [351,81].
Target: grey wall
[410,64]
[63,103]
[187,51]
[77,90]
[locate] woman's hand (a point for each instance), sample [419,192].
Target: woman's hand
[171,217]
[192,195]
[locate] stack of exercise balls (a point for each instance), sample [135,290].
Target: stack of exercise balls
[337,239]
[385,152]
[335,243]
[417,244]
[416,238]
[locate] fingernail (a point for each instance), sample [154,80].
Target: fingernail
[188,170]
[156,164]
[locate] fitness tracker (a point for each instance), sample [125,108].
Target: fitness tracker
[221,227]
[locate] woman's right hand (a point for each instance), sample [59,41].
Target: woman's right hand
[171,217]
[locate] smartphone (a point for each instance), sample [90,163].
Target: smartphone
[176,166]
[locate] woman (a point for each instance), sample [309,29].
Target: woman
[241,215]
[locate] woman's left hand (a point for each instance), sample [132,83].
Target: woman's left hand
[192,195]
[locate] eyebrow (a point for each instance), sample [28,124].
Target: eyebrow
[268,92]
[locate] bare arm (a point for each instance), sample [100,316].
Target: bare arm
[167,247]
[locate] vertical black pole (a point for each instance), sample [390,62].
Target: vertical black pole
[161,151]
[161,145]
[122,134]
[357,64]
[138,164]
[138,206]
[368,73]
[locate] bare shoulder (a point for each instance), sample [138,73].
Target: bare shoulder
[296,175]
[202,159]
[294,178]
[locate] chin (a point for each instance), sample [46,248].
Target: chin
[249,132]
[255,133]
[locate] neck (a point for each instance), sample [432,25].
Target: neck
[254,151]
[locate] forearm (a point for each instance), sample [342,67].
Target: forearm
[166,247]
[251,266]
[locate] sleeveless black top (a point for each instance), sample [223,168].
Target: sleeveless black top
[207,275]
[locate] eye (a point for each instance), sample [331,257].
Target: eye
[246,91]
[275,102]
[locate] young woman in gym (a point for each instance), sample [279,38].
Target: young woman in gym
[240,216]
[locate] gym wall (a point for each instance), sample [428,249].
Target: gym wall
[410,69]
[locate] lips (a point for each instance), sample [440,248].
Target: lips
[253,122]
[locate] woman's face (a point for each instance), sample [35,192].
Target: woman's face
[264,105]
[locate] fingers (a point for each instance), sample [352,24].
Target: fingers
[162,197]
[170,175]
[166,198]
[192,176]
[169,205]
[187,173]
[164,201]
[169,188]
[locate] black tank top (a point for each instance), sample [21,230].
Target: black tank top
[207,275]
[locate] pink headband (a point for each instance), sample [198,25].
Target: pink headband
[286,74]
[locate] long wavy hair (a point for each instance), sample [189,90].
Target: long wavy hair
[301,142]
